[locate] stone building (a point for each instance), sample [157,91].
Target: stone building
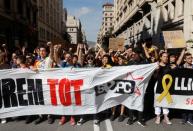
[50,20]
[18,23]
[74,29]
[107,21]
[64,19]
[137,20]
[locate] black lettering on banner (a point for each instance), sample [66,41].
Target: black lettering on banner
[21,92]
[117,86]
[124,87]
[8,91]
[32,93]
[39,91]
[182,82]
[102,89]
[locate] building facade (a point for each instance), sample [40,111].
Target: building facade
[107,21]
[64,19]
[84,40]
[74,29]
[18,23]
[137,20]
[50,21]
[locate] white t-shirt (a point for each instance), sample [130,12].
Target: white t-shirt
[44,63]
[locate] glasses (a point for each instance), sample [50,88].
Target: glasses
[189,57]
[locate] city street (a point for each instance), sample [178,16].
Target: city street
[65,65]
[89,126]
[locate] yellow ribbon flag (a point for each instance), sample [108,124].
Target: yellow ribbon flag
[166,88]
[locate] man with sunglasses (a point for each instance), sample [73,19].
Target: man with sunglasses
[89,64]
[90,61]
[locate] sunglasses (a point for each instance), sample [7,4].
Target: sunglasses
[90,58]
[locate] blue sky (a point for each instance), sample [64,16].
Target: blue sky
[90,14]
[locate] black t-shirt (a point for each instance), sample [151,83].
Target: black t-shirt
[162,71]
[140,62]
[4,66]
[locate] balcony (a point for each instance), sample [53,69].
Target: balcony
[133,9]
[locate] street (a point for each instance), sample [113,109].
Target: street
[77,61]
[105,125]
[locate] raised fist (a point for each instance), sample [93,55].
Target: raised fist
[4,45]
[49,43]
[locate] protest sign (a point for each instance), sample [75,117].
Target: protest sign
[174,39]
[116,44]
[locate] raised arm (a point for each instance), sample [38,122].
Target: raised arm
[146,52]
[181,57]
[56,53]
[6,52]
[51,47]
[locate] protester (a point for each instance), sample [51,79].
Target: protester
[106,65]
[106,61]
[90,61]
[175,61]
[121,62]
[30,59]
[45,62]
[3,66]
[136,59]
[187,114]
[21,62]
[163,69]
[150,52]
[75,62]
[59,57]
[67,62]
[13,63]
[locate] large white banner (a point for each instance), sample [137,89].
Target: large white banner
[72,91]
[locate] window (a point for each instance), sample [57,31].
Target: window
[7,4]
[182,8]
[39,32]
[165,13]
[71,29]
[48,35]
[172,10]
[34,18]
[20,7]
[47,18]
[44,34]
[28,13]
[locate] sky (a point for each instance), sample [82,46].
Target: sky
[90,14]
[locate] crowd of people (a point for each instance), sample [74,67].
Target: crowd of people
[55,56]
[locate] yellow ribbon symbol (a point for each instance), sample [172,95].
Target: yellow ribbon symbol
[166,88]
